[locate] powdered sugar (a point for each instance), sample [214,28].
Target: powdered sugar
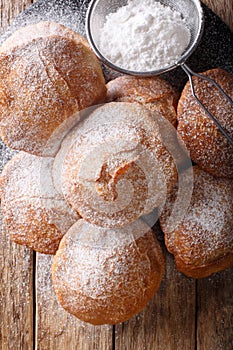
[115,167]
[107,275]
[35,213]
[47,73]
[208,147]
[205,234]
[144,36]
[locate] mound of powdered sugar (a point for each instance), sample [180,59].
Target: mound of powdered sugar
[144,36]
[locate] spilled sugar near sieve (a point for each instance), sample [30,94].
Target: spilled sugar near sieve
[190,11]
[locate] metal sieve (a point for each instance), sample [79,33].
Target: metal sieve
[190,10]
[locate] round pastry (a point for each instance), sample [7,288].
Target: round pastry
[202,243]
[47,73]
[208,147]
[36,215]
[154,93]
[106,276]
[114,167]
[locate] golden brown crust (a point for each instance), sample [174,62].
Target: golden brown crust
[207,146]
[35,214]
[45,78]
[154,93]
[106,276]
[206,270]
[115,166]
[203,242]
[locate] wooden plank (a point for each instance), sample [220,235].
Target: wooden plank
[57,329]
[16,294]
[9,10]
[222,8]
[16,262]
[168,322]
[215,312]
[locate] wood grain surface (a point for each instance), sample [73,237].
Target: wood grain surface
[57,329]
[16,294]
[222,8]
[185,314]
[164,324]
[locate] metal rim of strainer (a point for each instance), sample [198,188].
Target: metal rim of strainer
[195,40]
[178,63]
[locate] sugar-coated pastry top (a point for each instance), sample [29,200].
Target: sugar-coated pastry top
[106,276]
[36,215]
[208,147]
[203,241]
[155,93]
[115,167]
[47,73]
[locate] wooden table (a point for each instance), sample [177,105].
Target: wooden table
[185,314]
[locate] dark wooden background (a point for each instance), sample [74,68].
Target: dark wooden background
[185,314]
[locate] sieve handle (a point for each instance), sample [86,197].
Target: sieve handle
[190,74]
